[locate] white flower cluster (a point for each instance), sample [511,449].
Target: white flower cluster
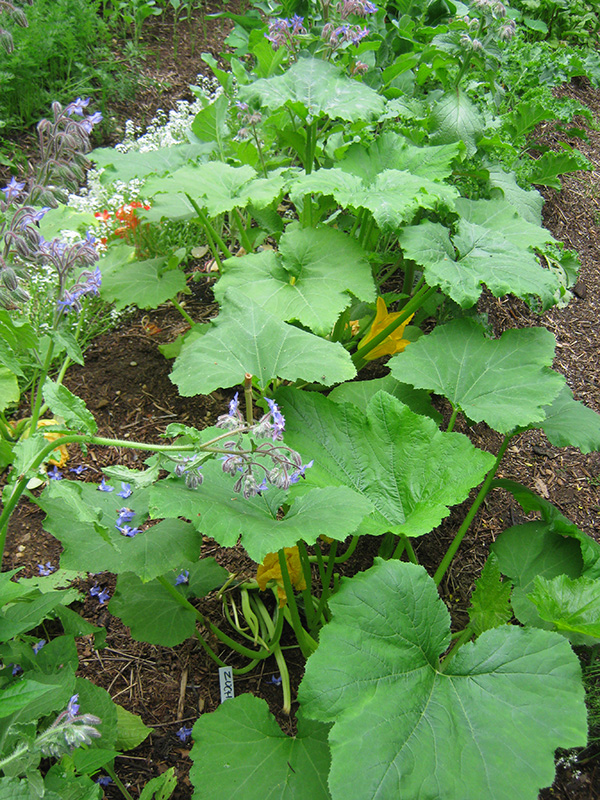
[163,131]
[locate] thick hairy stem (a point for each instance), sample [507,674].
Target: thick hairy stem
[485,487]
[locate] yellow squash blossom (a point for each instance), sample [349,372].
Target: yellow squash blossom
[394,342]
[63,454]
[270,570]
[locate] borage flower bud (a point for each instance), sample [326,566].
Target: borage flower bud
[250,486]
[232,464]
[21,295]
[279,478]
[9,279]
[6,41]
[194,479]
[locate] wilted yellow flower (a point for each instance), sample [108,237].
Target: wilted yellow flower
[394,342]
[61,460]
[270,570]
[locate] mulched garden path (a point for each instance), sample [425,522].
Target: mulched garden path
[125,383]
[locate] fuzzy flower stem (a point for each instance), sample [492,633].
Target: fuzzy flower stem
[485,487]
[70,438]
[67,362]
[413,304]
[35,413]
[259,148]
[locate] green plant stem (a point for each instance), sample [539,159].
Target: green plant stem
[210,228]
[308,150]
[452,419]
[117,781]
[248,398]
[309,608]
[78,438]
[485,487]
[35,411]
[461,639]
[320,563]
[325,583]
[365,233]
[391,271]
[259,149]
[350,550]
[277,652]
[20,751]
[405,544]
[400,548]
[409,278]
[213,248]
[305,640]
[246,243]
[182,311]
[181,600]
[344,557]
[357,221]
[413,304]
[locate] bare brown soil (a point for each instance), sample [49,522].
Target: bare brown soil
[125,383]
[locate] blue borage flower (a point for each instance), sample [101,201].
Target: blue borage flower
[105,487]
[183,577]
[358,7]
[88,283]
[335,37]
[126,491]
[184,733]
[78,469]
[125,515]
[13,189]
[102,595]
[255,469]
[103,780]
[45,570]
[127,530]
[69,730]
[77,106]
[55,474]
[38,646]
[282,30]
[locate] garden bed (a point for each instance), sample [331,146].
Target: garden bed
[125,383]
